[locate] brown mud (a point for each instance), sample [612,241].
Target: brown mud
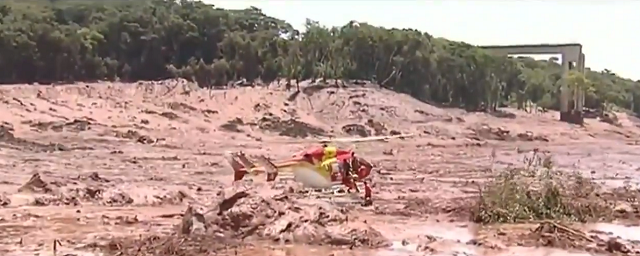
[138,169]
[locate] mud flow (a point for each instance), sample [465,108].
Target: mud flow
[139,169]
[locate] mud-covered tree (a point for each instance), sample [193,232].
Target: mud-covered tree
[83,40]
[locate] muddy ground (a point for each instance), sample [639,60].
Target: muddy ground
[138,169]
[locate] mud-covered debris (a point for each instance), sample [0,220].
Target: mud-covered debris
[36,185]
[208,112]
[117,198]
[145,139]
[135,135]
[45,126]
[356,130]
[233,125]
[529,136]
[378,127]
[259,107]
[129,134]
[4,200]
[193,221]
[289,127]
[126,220]
[556,235]
[8,126]
[93,193]
[77,125]
[358,234]
[172,198]
[247,215]
[613,245]
[610,118]
[6,133]
[173,244]
[169,115]
[95,176]
[490,133]
[86,193]
[498,133]
[426,248]
[56,200]
[229,202]
[149,111]
[181,106]
[623,208]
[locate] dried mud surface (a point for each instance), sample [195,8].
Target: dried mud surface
[138,169]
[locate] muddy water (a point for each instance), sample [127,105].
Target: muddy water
[408,235]
[631,233]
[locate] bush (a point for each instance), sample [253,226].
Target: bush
[539,192]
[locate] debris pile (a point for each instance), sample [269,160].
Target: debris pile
[486,132]
[282,218]
[247,217]
[288,127]
[356,130]
[552,234]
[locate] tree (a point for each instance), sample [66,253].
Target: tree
[83,40]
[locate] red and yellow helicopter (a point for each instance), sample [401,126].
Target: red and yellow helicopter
[317,167]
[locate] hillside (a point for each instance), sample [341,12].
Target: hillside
[76,40]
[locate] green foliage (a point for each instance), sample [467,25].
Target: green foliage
[82,40]
[538,192]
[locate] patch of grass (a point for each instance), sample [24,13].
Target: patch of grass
[538,191]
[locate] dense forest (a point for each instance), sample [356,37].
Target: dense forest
[49,41]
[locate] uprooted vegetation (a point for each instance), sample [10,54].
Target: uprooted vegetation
[556,200]
[540,192]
